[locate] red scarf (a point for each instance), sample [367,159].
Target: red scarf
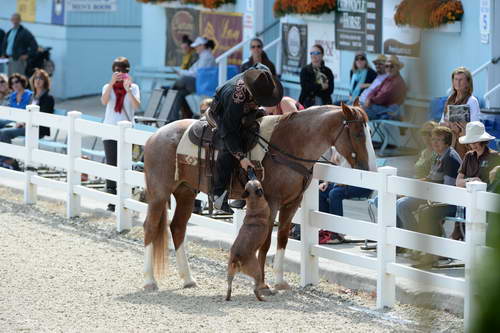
[120,93]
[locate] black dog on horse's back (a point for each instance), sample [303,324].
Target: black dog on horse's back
[251,237]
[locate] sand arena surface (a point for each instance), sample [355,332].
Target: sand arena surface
[59,275]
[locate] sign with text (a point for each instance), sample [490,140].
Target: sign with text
[320,33]
[358,25]
[180,22]
[401,41]
[294,48]
[27,9]
[226,30]
[91,5]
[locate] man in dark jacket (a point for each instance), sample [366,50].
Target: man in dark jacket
[18,45]
[235,99]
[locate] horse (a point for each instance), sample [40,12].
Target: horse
[300,136]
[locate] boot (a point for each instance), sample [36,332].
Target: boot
[197,209]
[237,204]
[220,203]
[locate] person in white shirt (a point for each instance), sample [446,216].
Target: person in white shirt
[379,63]
[122,98]
[186,83]
[463,87]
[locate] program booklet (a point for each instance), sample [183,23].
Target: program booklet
[459,113]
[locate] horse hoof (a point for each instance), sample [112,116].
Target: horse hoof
[190,284]
[150,287]
[282,286]
[266,291]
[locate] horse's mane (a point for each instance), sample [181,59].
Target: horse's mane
[313,111]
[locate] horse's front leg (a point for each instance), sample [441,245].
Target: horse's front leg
[184,197]
[263,287]
[286,214]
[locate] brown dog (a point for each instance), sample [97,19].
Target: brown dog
[252,235]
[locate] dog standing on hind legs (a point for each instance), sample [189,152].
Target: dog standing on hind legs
[251,237]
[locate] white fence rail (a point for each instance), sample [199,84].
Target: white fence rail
[476,200]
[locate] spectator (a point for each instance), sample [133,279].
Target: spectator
[189,54]
[258,55]
[361,75]
[381,75]
[286,106]
[2,36]
[4,91]
[443,171]
[316,80]
[427,156]
[331,197]
[19,98]
[18,45]
[186,83]
[462,84]
[122,98]
[385,100]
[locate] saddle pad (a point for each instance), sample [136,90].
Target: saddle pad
[189,151]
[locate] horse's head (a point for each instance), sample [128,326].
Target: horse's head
[354,141]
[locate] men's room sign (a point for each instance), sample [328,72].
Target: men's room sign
[91,5]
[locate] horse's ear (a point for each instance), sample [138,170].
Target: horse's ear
[356,102]
[348,113]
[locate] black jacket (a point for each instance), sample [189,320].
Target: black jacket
[2,36]
[311,89]
[24,43]
[46,104]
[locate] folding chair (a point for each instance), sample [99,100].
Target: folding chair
[92,151]
[152,110]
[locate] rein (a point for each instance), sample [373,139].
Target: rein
[345,124]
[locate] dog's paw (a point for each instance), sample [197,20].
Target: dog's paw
[282,286]
[150,287]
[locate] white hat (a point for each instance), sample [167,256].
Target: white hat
[475,132]
[199,41]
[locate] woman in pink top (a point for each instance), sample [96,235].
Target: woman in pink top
[287,105]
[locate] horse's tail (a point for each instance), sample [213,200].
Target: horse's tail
[160,245]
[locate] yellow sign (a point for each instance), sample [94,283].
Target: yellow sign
[27,9]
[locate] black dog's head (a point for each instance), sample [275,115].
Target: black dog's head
[253,188]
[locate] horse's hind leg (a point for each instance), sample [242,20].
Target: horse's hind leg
[286,215]
[184,197]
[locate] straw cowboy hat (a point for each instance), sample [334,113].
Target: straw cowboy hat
[380,58]
[266,91]
[475,132]
[395,61]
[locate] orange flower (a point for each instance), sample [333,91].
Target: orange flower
[428,13]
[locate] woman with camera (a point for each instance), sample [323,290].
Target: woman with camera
[121,98]
[316,80]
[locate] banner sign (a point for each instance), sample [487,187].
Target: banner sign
[180,22]
[401,41]
[358,25]
[57,12]
[226,30]
[91,5]
[294,48]
[320,33]
[27,9]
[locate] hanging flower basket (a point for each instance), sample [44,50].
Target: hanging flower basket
[428,13]
[302,7]
[212,4]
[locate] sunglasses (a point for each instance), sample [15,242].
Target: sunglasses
[314,53]
[389,66]
[39,78]
[2,82]
[15,81]
[360,58]
[255,46]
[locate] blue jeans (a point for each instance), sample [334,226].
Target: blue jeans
[4,122]
[7,134]
[375,111]
[405,207]
[330,200]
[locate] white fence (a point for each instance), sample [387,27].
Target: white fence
[476,200]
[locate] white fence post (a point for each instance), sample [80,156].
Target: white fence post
[309,268]
[73,176]
[31,142]
[222,70]
[124,191]
[475,235]
[386,284]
